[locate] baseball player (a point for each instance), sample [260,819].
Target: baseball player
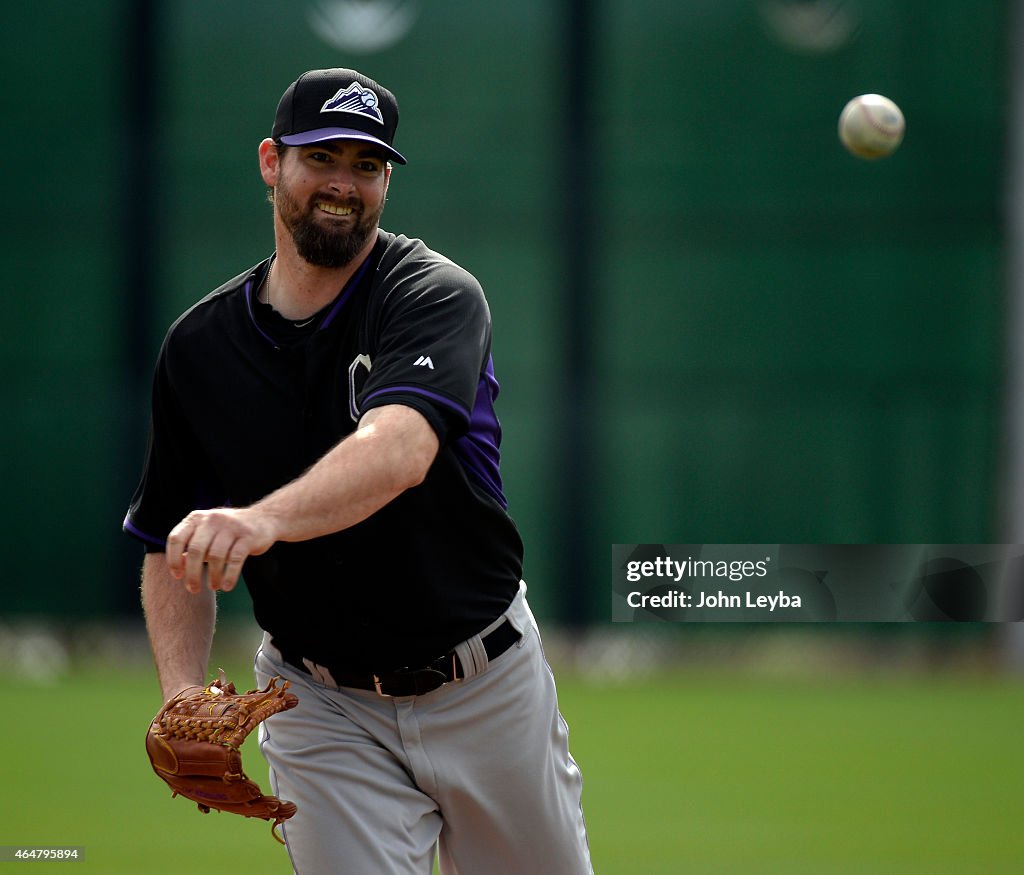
[324,422]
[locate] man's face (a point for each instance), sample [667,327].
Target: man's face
[330,196]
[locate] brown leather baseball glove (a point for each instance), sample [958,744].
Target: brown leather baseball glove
[193,744]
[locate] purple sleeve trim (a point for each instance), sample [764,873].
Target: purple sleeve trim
[132,529]
[416,390]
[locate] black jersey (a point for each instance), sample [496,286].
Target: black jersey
[243,404]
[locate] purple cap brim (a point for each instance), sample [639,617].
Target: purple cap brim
[321,134]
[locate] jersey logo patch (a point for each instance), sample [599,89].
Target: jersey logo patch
[357,100]
[424,362]
[357,374]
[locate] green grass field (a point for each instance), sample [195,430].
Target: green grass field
[682,774]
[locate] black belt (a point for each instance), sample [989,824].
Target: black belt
[413,681]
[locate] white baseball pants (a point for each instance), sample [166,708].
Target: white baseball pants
[477,772]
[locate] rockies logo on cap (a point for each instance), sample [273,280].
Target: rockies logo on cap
[355,99]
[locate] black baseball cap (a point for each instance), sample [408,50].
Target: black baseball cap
[337,104]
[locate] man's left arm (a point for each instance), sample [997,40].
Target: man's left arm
[390,451]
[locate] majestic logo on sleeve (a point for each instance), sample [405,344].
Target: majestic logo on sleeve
[356,100]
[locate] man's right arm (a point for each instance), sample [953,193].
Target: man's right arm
[180,626]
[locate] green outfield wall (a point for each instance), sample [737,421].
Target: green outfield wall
[785,344]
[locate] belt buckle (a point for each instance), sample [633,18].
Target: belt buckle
[421,680]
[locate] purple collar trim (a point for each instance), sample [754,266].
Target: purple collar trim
[346,293]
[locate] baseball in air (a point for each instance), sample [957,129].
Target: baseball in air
[871,126]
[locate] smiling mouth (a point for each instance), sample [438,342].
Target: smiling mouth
[333,209]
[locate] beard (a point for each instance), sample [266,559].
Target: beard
[325,243]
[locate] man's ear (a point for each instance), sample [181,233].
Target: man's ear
[270,162]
